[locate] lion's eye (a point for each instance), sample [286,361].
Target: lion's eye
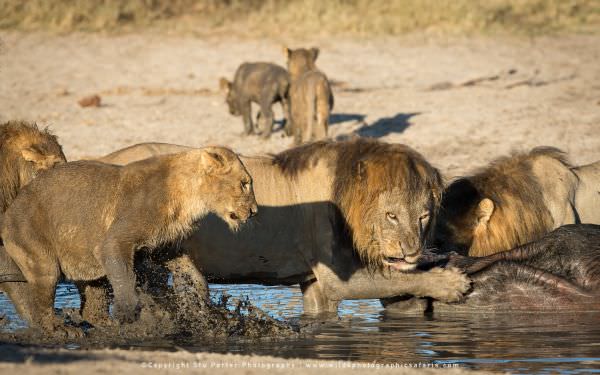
[392,217]
[424,217]
[245,186]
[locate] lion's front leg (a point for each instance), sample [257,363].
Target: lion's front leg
[343,277]
[315,301]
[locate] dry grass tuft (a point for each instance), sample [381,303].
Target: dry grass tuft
[299,17]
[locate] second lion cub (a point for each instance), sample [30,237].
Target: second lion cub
[311,98]
[85,220]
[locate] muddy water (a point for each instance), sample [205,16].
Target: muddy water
[540,342]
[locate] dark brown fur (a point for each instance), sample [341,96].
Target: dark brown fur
[261,83]
[561,270]
[85,220]
[519,216]
[558,272]
[311,97]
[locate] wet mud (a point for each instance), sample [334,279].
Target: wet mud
[177,316]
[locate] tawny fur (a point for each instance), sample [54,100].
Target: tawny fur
[301,234]
[86,219]
[24,151]
[311,97]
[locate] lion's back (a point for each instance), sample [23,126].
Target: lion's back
[74,192]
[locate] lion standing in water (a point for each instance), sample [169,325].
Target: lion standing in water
[25,150]
[85,220]
[318,203]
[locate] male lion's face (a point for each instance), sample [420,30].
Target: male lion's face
[401,224]
[231,185]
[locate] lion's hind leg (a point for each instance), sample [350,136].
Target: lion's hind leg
[42,272]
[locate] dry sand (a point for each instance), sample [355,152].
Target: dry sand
[62,361]
[409,90]
[460,102]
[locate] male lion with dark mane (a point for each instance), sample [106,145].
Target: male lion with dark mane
[85,220]
[516,200]
[318,202]
[25,150]
[514,203]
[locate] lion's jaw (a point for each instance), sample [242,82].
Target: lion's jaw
[395,238]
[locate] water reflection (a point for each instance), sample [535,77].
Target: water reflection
[540,342]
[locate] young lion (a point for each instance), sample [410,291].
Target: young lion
[87,219]
[25,150]
[261,83]
[311,99]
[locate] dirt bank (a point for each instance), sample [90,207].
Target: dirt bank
[44,361]
[460,102]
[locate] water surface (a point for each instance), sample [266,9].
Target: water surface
[518,343]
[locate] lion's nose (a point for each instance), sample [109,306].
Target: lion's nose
[409,248]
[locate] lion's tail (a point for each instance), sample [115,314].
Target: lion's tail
[12,278]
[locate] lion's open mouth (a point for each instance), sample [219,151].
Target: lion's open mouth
[400,264]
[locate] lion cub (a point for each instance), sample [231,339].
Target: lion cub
[85,220]
[261,83]
[311,99]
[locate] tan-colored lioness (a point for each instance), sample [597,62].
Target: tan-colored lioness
[317,203]
[516,200]
[85,220]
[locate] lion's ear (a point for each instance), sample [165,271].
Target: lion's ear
[485,209]
[224,85]
[214,162]
[286,52]
[314,53]
[31,155]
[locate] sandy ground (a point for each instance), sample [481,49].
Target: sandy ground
[460,102]
[543,91]
[28,361]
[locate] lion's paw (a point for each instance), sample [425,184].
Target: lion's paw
[451,286]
